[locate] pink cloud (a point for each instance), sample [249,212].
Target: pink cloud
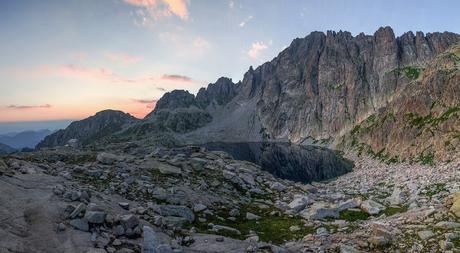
[123,58]
[256,49]
[103,75]
[157,9]
[27,107]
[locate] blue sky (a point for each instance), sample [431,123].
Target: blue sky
[70,59]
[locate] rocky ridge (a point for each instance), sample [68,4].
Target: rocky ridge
[101,125]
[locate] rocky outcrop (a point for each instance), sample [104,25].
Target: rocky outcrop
[321,85]
[101,125]
[220,92]
[177,111]
[421,124]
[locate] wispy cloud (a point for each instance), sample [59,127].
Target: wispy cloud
[175,77]
[187,46]
[245,21]
[256,49]
[231,4]
[103,75]
[152,10]
[150,103]
[123,58]
[27,107]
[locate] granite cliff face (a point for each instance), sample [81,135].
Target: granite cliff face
[101,125]
[422,123]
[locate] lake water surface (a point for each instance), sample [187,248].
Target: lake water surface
[288,161]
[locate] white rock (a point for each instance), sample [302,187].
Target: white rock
[371,207]
[299,203]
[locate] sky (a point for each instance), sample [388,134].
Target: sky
[70,59]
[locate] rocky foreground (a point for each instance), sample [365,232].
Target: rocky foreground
[142,199]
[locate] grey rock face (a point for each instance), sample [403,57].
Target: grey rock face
[152,243]
[220,92]
[176,211]
[177,111]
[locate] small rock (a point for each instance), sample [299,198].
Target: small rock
[299,203]
[219,228]
[199,207]
[251,216]
[60,227]
[425,234]
[447,225]
[95,217]
[79,209]
[294,228]
[446,245]
[348,249]
[379,241]
[322,231]
[80,224]
[152,242]
[371,207]
[351,203]
[124,205]
[455,208]
[129,221]
[234,212]
[106,158]
[278,186]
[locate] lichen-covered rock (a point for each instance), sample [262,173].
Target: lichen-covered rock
[455,208]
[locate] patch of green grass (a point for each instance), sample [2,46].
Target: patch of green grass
[338,86]
[434,189]
[411,72]
[454,57]
[269,228]
[456,241]
[429,120]
[427,159]
[392,210]
[352,215]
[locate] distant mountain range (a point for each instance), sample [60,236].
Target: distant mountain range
[5,149]
[26,139]
[395,98]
